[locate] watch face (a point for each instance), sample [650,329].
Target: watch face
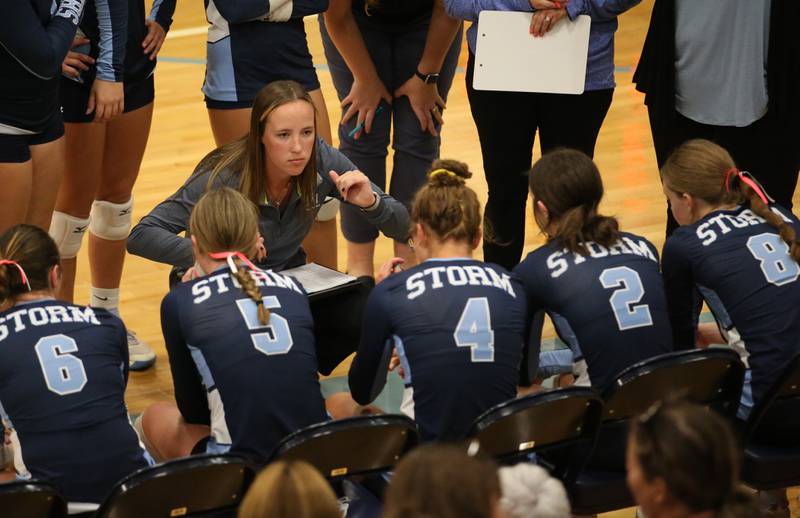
[431,78]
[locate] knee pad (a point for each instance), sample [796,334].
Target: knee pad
[67,231]
[111,221]
[329,209]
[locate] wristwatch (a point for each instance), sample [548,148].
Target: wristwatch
[428,79]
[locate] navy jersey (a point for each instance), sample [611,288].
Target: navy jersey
[254,42]
[613,299]
[116,29]
[253,384]
[741,258]
[33,42]
[457,326]
[63,371]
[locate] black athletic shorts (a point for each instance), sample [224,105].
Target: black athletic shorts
[16,148]
[75,97]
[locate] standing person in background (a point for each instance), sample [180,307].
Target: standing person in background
[507,121]
[252,43]
[728,72]
[390,60]
[33,42]
[107,94]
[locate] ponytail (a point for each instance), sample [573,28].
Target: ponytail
[761,209]
[250,289]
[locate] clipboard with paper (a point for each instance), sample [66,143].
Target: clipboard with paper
[509,59]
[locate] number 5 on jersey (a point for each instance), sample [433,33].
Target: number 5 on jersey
[273,338]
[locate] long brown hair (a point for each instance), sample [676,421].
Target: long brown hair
[568,183]
[445,205]
[442,481]
[225,221]
[694,451]
[290,489]
[706,171]
[245,156]
[35,252]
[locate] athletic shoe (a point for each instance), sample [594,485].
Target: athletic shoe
[141,355]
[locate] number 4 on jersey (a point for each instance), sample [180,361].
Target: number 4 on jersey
[474,330]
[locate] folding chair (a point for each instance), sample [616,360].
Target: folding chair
[772,434]
[711,377]
[31,499]
[558,419]
[201,485]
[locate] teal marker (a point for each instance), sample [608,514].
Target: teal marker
[360,125]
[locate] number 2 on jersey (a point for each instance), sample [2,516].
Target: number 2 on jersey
[273,338]
[474,330]
[63,372]
[629,290]
[772,254]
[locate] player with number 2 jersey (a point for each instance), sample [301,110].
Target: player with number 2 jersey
[63,372]
[604,282]
[455,324]
[736,243]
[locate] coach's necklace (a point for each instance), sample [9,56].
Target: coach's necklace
[278,200]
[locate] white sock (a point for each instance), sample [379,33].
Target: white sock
[106,298]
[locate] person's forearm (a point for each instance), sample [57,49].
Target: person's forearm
[346,35]
[441,32]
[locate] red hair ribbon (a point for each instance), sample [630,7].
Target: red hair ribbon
[22,274]
[748,179]
[228,256]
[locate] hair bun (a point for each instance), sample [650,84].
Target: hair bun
[448,173]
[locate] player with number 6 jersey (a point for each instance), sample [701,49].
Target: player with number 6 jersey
[240,342]
[604,282]
[456,324]
[63,372]
[734,242]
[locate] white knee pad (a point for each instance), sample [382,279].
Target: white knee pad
[329,209]
[111,221]
[67,231]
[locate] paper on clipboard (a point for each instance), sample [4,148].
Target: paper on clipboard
[317,279]
[508,58]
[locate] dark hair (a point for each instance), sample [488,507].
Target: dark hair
[707,171]
[245,157]
[694,451]
[35,252]
[442,481]
[568,183]
[445,205]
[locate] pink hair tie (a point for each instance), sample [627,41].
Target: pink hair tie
[22,274]
[228,257]
[728,175]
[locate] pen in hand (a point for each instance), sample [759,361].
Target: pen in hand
[360,125]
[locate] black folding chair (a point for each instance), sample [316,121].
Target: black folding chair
[772,434]
[560,419]
[353,446]
[201,485]
[31,499]
[712,377]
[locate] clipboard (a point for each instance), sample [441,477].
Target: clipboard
[509,59]
[320,281]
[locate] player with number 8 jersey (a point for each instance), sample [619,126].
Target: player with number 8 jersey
[734,242]
[455,324]
[604,282]
[63,372]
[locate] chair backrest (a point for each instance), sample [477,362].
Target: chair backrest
[183,487]
[352,446]
[537,422]
[775,420]
[711,377]
[31,499]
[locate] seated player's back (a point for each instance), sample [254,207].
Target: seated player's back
[260,380]
[63,371]
[457,326]
[613,299]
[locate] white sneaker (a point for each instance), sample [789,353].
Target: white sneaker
[141,357]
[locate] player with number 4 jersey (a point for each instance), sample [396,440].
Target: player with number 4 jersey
[734,242]
[240,342]
[63,372]
[604,282]
[456,325]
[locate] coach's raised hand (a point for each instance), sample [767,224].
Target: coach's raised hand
[355,188]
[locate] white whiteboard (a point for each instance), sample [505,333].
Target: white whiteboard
[508,58]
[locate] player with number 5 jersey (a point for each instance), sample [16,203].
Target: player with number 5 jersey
[63,372]
[456,324]
[240,342]
[734,242]
[604,282]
